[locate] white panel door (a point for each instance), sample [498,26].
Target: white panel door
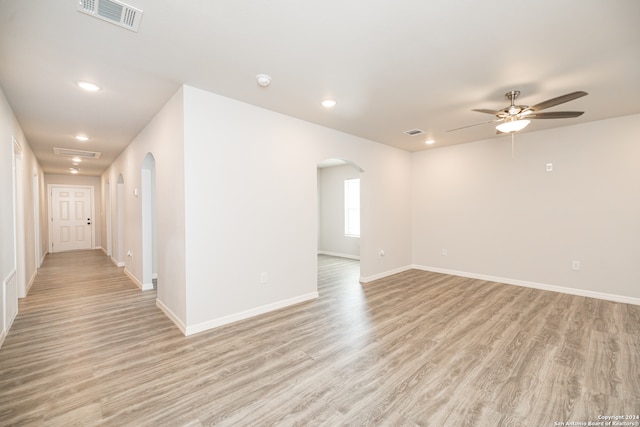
[71,219]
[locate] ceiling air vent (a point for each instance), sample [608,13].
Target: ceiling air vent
[413,132]
[76,153]
[112,11]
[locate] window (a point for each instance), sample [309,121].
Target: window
[352,207]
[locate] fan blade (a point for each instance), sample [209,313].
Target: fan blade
[555,115]
[559,100]
[484,110]
[475,124]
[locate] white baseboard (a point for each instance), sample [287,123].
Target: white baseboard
[384,274]
[30,283]
[214,323]
[142,286]
[117,263]
[339,255]
[534,285]
[167,311]
[3,335]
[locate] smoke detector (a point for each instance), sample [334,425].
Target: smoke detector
[263,80]
[113,11]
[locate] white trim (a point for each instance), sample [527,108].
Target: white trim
[116,262]
[339,255]
[534,285]
[7,321]
[384,274]
[167,311]
[30,283]
[134,279]
[3,335]
[214,323]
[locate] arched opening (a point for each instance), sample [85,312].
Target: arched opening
[107,209]
[149,223]
[338,238]
[120,222]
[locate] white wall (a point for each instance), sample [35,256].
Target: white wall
[31,175]
[88,181]
[251,206]
[331,238]
[508,219]
[162,137]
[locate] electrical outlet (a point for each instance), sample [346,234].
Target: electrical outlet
[129,253]
[443,252]
[575,265]
[381,253]
[549,167]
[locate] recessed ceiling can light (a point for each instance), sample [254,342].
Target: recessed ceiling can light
[88,86]
[76,159]
[429,141]
[328,103]
[82,138]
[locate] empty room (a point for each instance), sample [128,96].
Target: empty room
[335,213]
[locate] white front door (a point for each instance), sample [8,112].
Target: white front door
[71,219]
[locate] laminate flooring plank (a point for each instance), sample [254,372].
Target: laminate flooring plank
[413,349]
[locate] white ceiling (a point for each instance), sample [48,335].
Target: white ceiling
[391,65]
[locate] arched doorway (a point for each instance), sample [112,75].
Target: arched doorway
[107,210]
[120,222]
[149,223]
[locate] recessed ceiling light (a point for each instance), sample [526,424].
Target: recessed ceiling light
[74,170]
[76,159]
[88,86]
[82,138]
[328,103]
[429,141]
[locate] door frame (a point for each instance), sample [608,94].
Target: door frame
[18,219]
[50,188]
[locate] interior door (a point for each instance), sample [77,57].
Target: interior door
[71,219]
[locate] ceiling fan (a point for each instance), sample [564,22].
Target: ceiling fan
[516,117]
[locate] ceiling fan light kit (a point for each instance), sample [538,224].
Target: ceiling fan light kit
[514,117]
[513,126]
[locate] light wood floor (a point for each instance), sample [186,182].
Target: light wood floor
[417,348]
